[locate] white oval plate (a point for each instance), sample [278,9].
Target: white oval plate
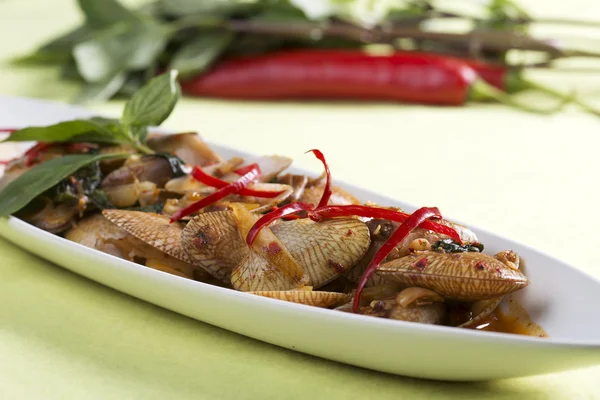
[560,298]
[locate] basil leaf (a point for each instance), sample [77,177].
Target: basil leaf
[177,164]
[122,46]
[94,129]
[42,57]
[101,90]
[56,51]
[183,8]
[18,193]
[68,40]
[99,14]
[69,71]
[88,180]
[153,103]
[450,246]
[139,133]
[199,54]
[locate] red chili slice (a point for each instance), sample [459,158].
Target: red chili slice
[376,212]
[231,188]
[34,152]
[210,180]
[327,191]
[244,169]
[412,221]
[272,216]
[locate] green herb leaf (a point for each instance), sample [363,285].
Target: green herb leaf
[182,8]
[42,57]
[177,165]
[101,90]
[100,14]
[42,177]
[450,246]
[95,129]
[57,50]
[122,46]
[87,184]
[153,103]
[199,54]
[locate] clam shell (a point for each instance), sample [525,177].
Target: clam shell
[212,241]
[151,228]
[339,196]
[256,273]
[326,249]
[456,276]
[99,233]
[307,297]
[481,310]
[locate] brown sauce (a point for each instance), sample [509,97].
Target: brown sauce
[514,319]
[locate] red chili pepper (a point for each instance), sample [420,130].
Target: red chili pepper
[210,180]
[376,212]
[33,153]
[274,215]
[289,216]
[412,77]
[243,170]
[414,220]
[231,188]
[327,191]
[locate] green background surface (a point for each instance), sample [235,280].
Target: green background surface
[527,177]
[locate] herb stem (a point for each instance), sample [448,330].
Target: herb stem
[142,148]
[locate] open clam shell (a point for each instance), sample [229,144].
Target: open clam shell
[151,228]
[213,242]
[269,265]
[326,249]
[99,233]
[457,276]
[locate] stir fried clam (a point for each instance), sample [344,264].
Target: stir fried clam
[99,233]
[249,225]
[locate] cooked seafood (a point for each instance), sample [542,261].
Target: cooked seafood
[428,277]
[171,203]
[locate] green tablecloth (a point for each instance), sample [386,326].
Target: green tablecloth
[527,177]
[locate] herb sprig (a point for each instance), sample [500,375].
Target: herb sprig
[150,106]
[117,49]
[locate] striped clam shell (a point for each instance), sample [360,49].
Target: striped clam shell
[326,249]
[213,242]
[307,297]
[256,273]
[151,228]
[456,276]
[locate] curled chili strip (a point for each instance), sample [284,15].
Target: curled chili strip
[375,212]
[210,180]
[244,169]
[274,215]
[327,191]
[231,188]
[411,222]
